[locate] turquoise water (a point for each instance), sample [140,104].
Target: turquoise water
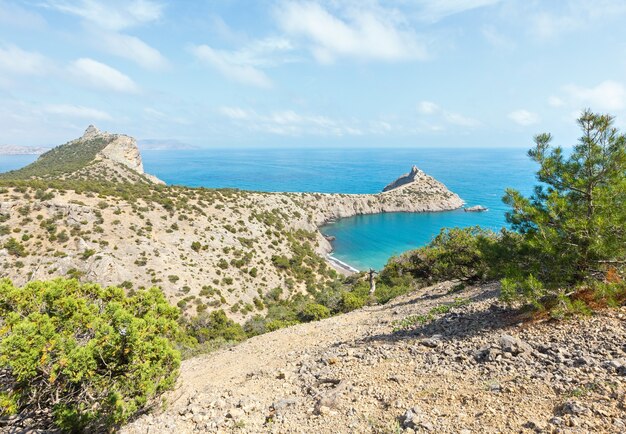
[11,162]
[479,176]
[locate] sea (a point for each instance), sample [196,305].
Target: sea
[479,176]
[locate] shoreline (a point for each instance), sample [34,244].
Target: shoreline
[341,266]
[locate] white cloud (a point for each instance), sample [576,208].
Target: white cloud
[77,111]
[429,108]
[555,101]
[608,95]
[290,123]
[572,16]
[545,25]
[435,10]
[362,33]
[110,17]
[17,61]
[230,66]
[153,115]
[234,112]
[524,117]
[132,48]
[110,14]
[12,15]
[101,76]
[496,38]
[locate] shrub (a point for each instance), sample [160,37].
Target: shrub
[314,312]
[88,253]
[384,293]
[15,248]
[351,301]
[215,325]
[573,223]
[456,253]
[90,357]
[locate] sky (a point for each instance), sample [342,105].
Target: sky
[310,73]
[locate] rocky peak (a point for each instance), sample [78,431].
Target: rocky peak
[407,178]
[91,132]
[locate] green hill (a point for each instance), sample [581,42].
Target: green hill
[62,160]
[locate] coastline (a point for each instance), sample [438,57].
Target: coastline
[340,266]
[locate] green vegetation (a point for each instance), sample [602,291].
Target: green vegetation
[314,312]
[410,321]
[90,357]
[15,248]
[60,161]
[566,252]
[573,226]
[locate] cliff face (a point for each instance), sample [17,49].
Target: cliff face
[121,150]
[416,192]
[407,178]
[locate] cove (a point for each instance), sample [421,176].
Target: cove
[479,176]
[368,241]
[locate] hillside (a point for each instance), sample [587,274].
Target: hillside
[431,361]
[94,156]
[87,210]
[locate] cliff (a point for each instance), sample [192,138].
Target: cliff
[96,155]
[407,178]
[416,192]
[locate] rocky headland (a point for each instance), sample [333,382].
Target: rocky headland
[88,210]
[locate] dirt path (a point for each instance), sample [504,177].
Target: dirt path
[465,367]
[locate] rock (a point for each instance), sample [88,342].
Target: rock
[476,208]
[412,418]
[91,132]
[407,178]
[235,414]
[487,354]
[556,421]
[432,342]
[574,408]
[283,403]
[427,426]
[535,425]
[513,345]
[323,410]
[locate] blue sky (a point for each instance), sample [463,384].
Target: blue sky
[228,73]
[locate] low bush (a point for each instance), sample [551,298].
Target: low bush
[89,357]
[314,312]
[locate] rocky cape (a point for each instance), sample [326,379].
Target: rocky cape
[120,150]
[95,156]
[206,248]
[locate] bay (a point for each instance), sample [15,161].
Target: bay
[479,176]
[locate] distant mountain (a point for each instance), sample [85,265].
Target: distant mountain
[163,145]
[22,150]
